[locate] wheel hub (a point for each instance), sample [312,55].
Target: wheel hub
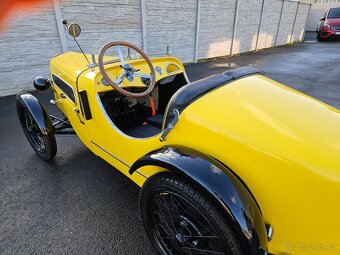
[180,238]
[181,228]
[33,132]
[129,71]
[186,231]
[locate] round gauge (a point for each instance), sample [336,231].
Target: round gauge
[104,82]
[158,70]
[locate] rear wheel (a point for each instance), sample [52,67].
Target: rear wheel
[180,220]
[45,146]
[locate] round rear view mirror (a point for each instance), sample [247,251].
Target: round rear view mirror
[74,30]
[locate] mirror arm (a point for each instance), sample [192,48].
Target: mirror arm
[89,64]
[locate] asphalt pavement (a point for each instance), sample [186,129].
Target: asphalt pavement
[79,204]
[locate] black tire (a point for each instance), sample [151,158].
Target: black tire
[189,224]
[319,38]
[45,146]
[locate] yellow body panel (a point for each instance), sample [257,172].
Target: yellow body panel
[99,134]
[284,145]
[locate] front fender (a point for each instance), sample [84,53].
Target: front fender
[223,186]
[38,112]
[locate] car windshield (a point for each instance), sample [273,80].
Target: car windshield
[112,54]
[334,13]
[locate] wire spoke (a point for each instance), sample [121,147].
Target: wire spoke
[194,212]
[162,217]
[171,209]
[212,237]
[204,251]
[120,78]
[170,215]
[179,205]
[166,237]
[187,251]
[187,210]
[184,229]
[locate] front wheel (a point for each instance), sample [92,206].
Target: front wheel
[319,38]
[45,146]
[180,220]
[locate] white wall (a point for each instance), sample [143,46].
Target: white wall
[171,23]
[118,19]
[247,25]
[30,38]
[216,28]
[300,23]
[270,23]
[27,42]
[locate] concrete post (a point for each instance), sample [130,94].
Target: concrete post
[304,31]
[234,28]
[260,25]
[278,27]
[143,16]
[294,24]
[60,26]
[197,36]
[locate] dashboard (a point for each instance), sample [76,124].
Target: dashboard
[164,67]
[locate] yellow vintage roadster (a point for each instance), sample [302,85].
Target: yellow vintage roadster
[235,163]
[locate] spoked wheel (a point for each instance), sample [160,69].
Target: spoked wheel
[45,146]
[179,220]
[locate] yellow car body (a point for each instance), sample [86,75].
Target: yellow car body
[282,144]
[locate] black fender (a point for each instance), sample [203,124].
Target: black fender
[37,110]
[222,185]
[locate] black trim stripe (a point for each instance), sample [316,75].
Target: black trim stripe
[85,106]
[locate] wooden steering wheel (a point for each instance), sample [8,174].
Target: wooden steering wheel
[128,71]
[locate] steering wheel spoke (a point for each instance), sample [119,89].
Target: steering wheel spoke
[120,79]
[128,70]
[142,75]
[120,54]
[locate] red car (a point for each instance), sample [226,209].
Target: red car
[329,26]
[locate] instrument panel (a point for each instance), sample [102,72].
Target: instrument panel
[164,67]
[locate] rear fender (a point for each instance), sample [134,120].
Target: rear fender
[240,208]
[38,112]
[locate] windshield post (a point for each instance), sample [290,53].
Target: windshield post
[94,64]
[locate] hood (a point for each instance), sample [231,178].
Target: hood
[69,65]
[333,22]
[258,113]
